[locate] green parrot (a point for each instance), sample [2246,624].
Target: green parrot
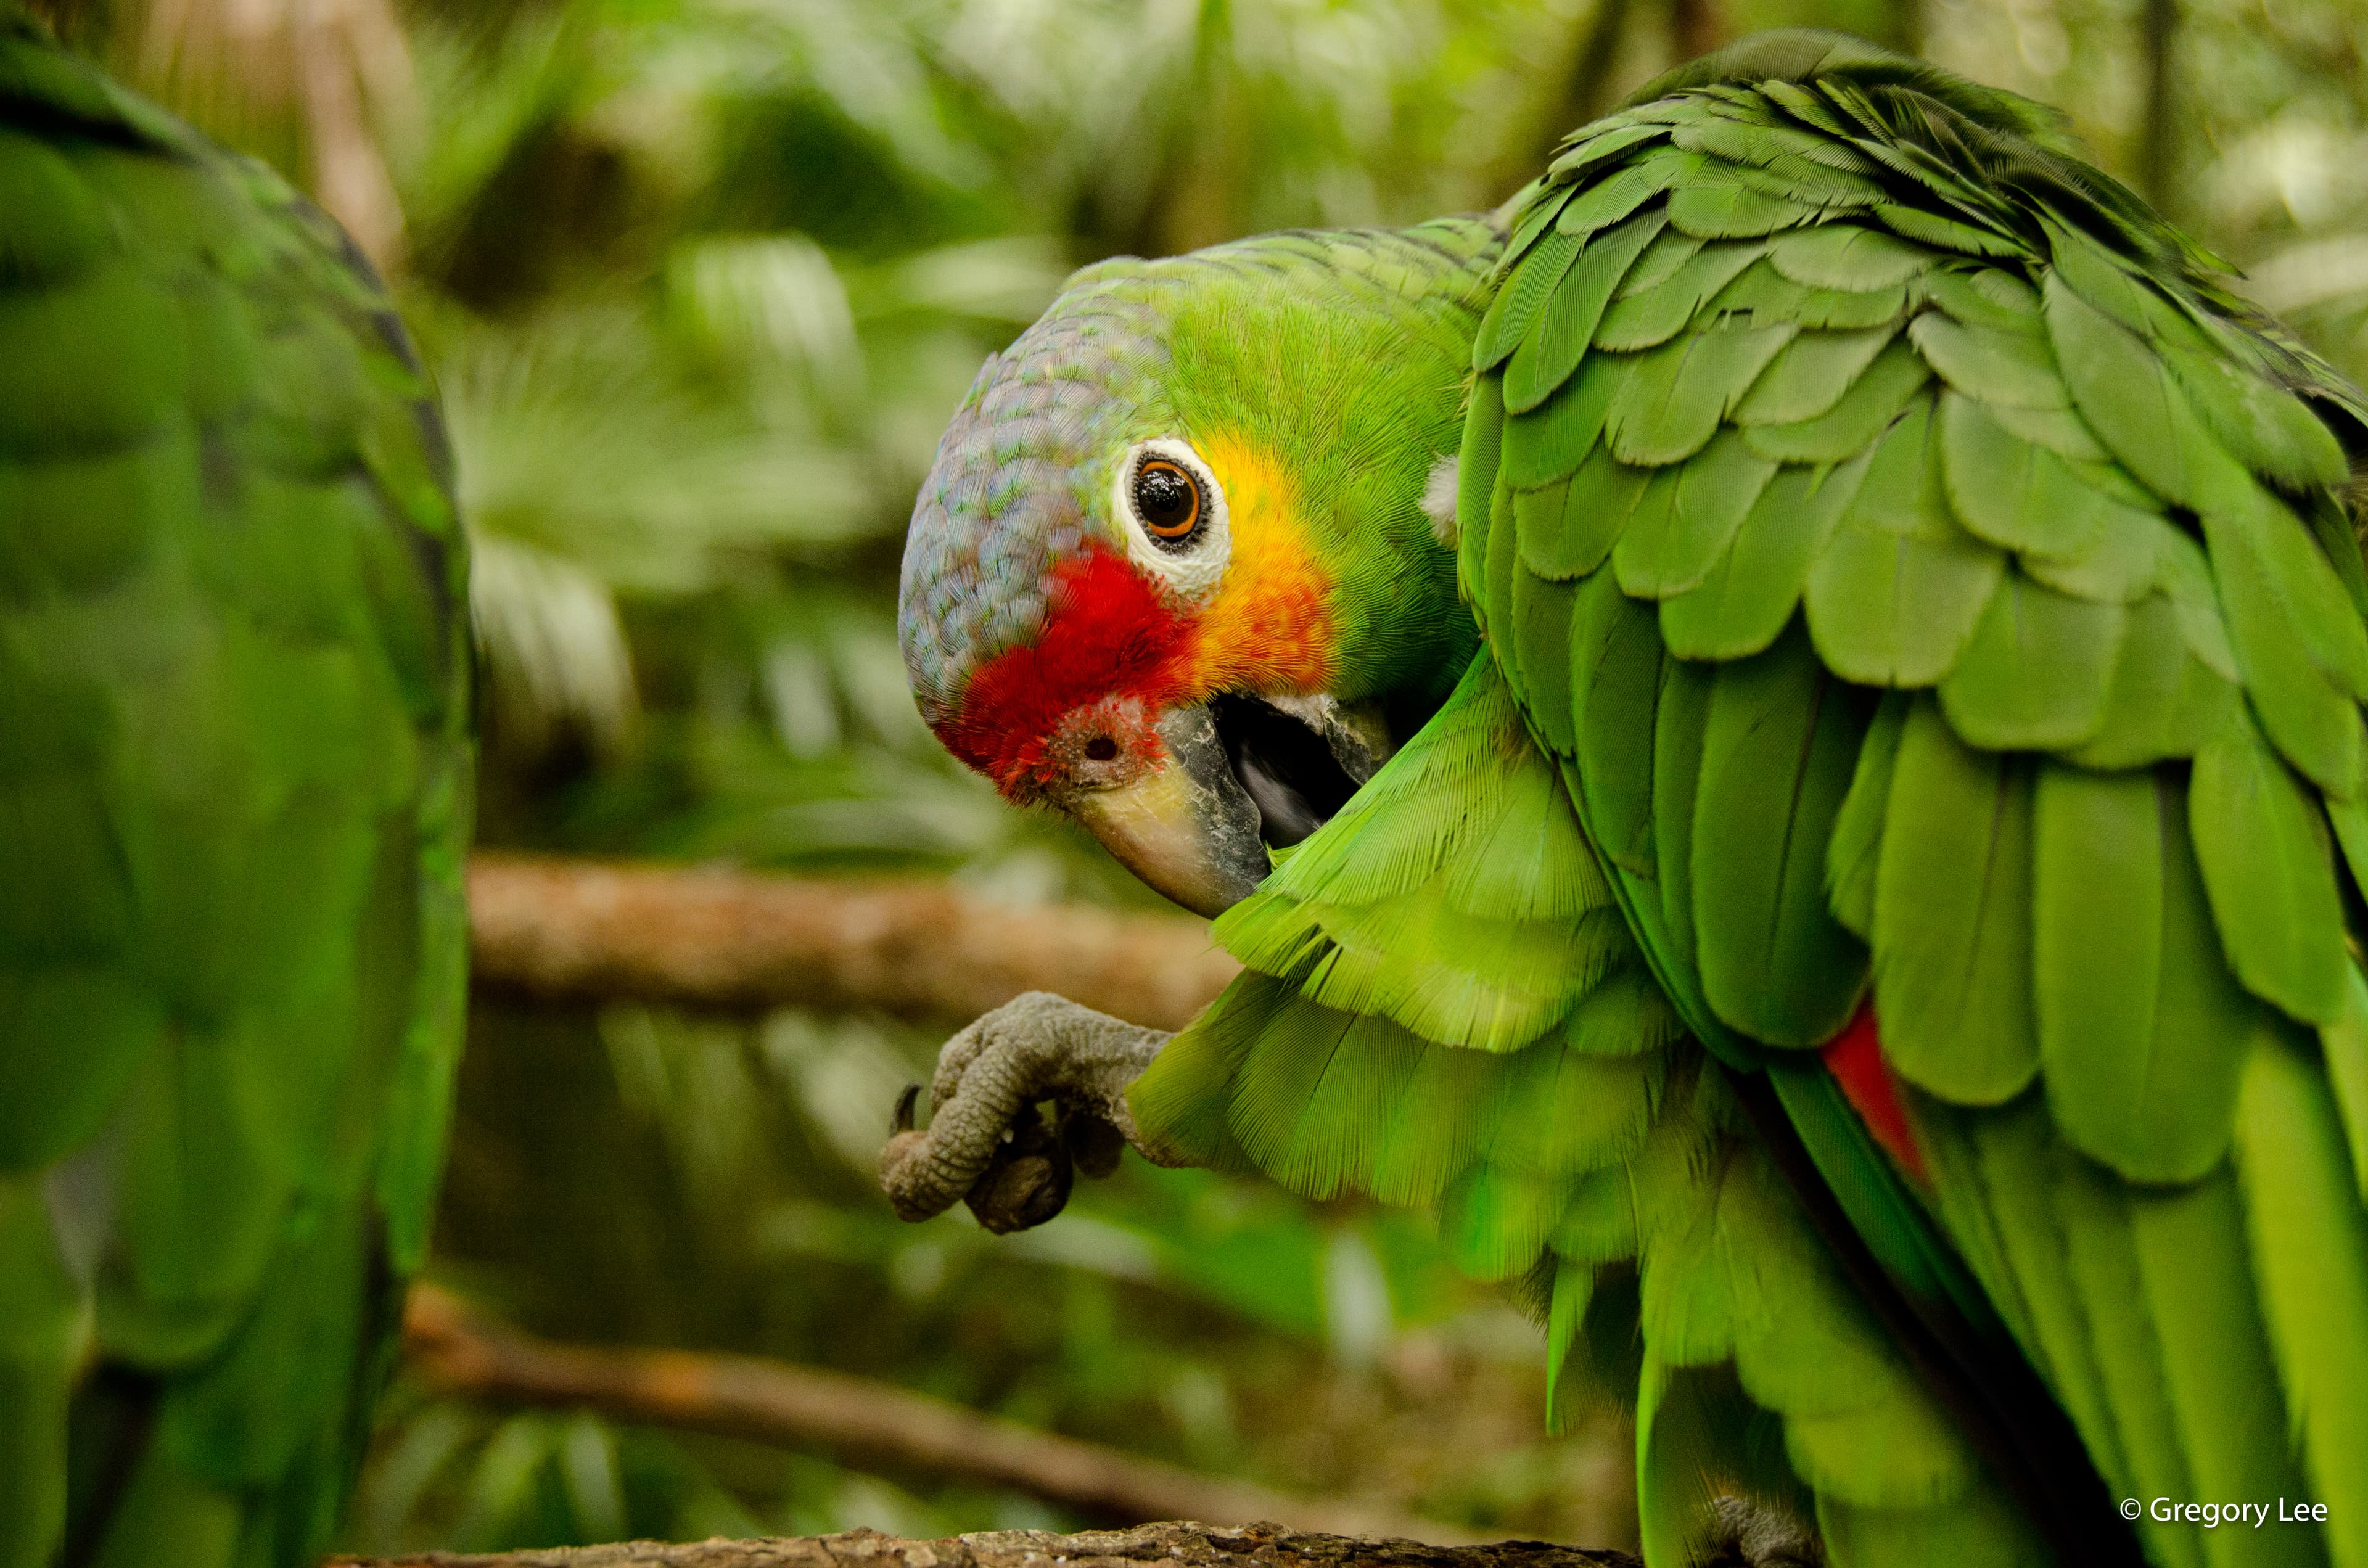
[1777,726]
[236,785]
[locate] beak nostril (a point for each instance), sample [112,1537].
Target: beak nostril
[1102,748]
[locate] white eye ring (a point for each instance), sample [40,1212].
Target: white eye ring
[1192,567]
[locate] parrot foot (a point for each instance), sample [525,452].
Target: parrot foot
[987,1145]
[1744,1534]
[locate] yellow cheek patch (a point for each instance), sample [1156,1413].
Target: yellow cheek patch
[1269,625]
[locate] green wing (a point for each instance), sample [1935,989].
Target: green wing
[1444,1005]
[1931,584]
[235,789]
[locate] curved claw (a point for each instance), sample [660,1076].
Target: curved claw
[986,1144]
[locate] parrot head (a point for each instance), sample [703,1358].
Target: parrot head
[1183,568]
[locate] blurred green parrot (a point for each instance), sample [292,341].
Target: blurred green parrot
[234,791]
[1777,726]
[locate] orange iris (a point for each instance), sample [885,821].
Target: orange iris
[1166,499]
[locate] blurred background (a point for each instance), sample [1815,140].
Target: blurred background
[700,280]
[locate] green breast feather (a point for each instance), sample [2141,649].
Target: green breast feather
[1908,577]
[235,788]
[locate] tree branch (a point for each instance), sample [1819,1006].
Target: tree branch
[459,1352]
[1178,1545]
[559,928]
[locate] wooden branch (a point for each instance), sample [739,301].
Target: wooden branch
[1178,1545]
[578,929]
[459,1352]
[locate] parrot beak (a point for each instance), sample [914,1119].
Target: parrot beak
[1188,828]
[1242,773]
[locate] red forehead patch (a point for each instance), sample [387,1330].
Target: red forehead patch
[1107,632]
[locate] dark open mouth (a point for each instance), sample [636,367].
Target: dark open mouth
[1286,767]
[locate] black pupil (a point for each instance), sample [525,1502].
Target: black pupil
[1102,748]
[1163,498]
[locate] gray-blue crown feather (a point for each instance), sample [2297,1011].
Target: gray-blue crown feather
[1014,484]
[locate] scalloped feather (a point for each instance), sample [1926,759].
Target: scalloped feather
[1749,593]
[1813,373]
[2316,725]
[2165,702]
[2267,865]
[1679,392]
[2019,495]
[1900,586]
[1664,552]
[1546,357]
[1852,425]
[2038,672]
[1780,741]
[1952,917]
[1994,367]
[1846,256]
[1654,315]
[2146,1084]
[1545,443]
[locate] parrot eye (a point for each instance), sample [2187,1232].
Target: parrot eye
[1172,515]
[1166,501]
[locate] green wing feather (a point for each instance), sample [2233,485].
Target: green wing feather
[235,792]
[2073,504]
[1572,1138]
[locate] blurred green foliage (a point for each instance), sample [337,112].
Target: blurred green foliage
[701,281]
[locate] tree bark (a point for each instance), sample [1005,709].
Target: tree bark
[585,931]
[458,1352]
[1175,1545]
